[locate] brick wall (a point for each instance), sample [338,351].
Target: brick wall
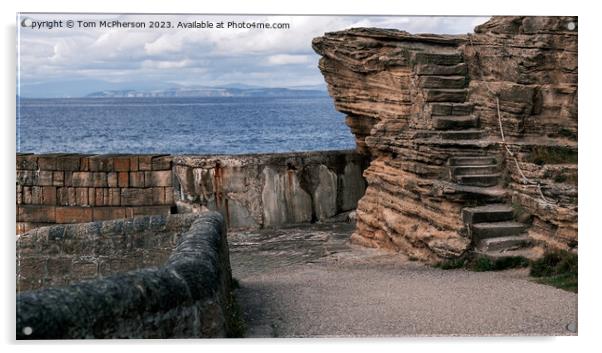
[74,188]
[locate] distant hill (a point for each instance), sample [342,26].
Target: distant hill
[212,92]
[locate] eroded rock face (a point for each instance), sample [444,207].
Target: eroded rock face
[423,108]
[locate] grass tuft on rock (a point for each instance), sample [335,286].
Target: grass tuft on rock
[483,263]
[558,269]
[450,264]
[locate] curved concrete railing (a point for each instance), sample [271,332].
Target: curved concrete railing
[189,296]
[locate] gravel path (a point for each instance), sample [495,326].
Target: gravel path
[309,282]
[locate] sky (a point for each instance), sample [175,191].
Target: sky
[73,62]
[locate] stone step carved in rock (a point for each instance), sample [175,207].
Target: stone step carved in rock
[441,70]
[526,252]
[504,243]
[447,109]
[451,82]
[445,95]
[497,229]
[466,134]
[451,122]
[479,180]
[487,213]
[494,230]
[446,59]
[474,170]
[476,160]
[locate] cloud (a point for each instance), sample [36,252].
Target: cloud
[255,56]
[165,64]
[285,59]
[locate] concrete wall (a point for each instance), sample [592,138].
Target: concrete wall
[188,296]
[267,190]
[62,254]
[251,191]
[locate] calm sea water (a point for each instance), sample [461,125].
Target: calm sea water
[180,125]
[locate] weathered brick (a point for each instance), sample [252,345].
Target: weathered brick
[134,163]
[107,213]
[84,164]
[68,179]
[106,197]
[47,162]
[48,195]
[123,179]
[159,178]
[27,194]
[136,197]
[73,214]
[81,196]
[24,227]
[99,193]
[112,180]
[169,196]
[100,180]
[101,163]
[145,162]
[19,194]
[66,196]
[137,179]
[158,196]
[82,179]
[58,178]
[72,196]
[62,196]
[36,195]
[161,163]
[121,164]
[36,213]
[114,197]
[68,162]
[27,177]
[91,197]
[45,178]
[27,161]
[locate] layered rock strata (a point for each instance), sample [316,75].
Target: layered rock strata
[423,107]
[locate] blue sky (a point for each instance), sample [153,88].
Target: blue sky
[63,62]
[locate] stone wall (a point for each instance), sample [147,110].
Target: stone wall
[269,190]
[390,84]
[188,296]
[251,191]
[75,188]
[59,255]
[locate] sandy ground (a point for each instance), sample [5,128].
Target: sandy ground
[310,282]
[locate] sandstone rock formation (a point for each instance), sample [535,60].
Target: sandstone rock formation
[423,107]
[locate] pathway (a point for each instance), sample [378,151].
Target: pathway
[310,282]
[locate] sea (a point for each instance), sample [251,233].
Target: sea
[191,125]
